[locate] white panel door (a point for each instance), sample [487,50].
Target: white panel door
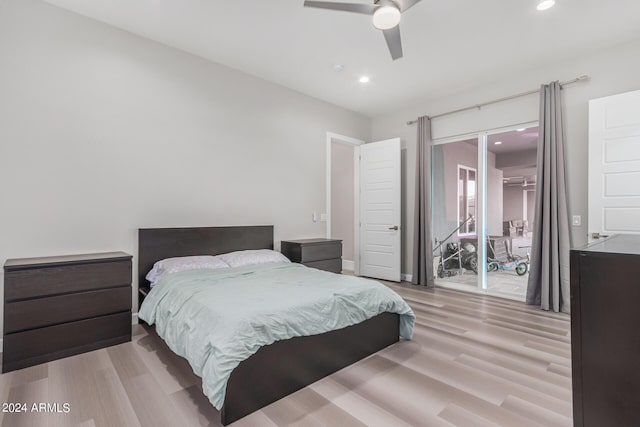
[614,164]
[380,242]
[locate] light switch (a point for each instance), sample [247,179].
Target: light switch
[577,221]
[314,217]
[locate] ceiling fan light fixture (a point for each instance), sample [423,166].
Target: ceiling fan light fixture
[545,4]
[386,17]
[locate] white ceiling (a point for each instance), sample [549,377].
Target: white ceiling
[523,142]
[513,141]
[449,45]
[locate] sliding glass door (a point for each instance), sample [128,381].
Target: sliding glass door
[484,191]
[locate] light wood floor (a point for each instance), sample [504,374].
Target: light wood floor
[474,361]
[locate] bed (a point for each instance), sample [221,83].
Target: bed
[284,366]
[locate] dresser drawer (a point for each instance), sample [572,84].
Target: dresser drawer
[35,313]
[40,282]
[333,265]
[28,348]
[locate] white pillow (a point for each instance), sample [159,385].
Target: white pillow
[174,265]
[253,257]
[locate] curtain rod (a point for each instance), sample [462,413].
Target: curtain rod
[495,101]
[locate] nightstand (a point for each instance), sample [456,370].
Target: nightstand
[323,254]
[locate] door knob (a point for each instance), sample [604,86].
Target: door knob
[395,227]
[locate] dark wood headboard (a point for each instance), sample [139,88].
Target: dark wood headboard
[155,244]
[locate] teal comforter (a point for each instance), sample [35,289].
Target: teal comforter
[218,318]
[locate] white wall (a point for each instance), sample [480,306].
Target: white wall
[102,132]
[612,71]
[342,197]
[513,202]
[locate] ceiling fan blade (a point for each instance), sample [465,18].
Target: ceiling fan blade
[406,4]
[394,42]
[366,9]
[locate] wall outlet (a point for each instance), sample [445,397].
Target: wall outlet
[323,217]
[576,221]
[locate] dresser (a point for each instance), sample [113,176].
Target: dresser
[323,254]
[605,337]
[56,307]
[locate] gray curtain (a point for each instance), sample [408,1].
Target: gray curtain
[548,284]
[440,227]
[422,240]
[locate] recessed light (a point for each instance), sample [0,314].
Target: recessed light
[498,142]
[546,4]
[521,129]
[365,79]
[338,67]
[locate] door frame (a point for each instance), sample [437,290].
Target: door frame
[333,137]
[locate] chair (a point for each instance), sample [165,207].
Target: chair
[519,225]
[508,229]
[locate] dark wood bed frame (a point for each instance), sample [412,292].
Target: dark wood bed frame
[283,367]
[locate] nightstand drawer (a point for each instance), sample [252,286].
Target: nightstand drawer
[332,265]
[311,249]
[321,252]
[39,282]
[40,312]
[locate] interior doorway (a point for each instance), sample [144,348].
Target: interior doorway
[342,182]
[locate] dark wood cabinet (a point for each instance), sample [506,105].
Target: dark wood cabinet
[56,307]
[605,336]
[323,254]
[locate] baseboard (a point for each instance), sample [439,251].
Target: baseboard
[406,277]
[348,265]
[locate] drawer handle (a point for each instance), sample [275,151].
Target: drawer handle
[395,227]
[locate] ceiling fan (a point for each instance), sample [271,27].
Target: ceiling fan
[386,17]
